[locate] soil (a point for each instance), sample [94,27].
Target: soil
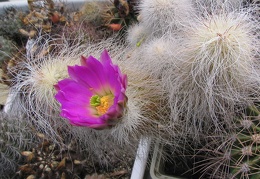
[48,161]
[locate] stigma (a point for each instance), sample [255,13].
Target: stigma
[102,104]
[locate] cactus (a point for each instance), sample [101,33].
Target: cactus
[10,24]
[207,64]
[211,5]
[15,136]
[214,72]
[245,152]
[235,155]
[7,48]
[164,16]
[91,11]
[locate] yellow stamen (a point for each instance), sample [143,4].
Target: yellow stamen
[105,103]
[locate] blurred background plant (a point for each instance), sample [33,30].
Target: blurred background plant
[53,23]
[11,22]
[120,14]
[16,137]
[10,38]
[7,49]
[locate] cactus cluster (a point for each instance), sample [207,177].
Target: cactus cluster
[206,53]
[192,68]
[15,136]
[207,60]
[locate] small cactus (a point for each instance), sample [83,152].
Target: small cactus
[238,154]
[245,152]
[15,136]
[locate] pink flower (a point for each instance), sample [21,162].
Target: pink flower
[94,95]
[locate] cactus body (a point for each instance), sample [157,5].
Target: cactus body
[7,47]
[15,137]
[245,152]
[235,155]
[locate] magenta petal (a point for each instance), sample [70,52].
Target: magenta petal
[73,91]
[97,68]
[113,78]
[77,117]
[56,87]
[105,58]
[88,78]
[79,121]
[74,110]
[124,81]
[64,82]
[73,74]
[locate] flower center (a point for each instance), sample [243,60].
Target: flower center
[102,104]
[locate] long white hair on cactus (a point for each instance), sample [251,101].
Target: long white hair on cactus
[145,109]
[215,156]
[158,54]
[41,72]
[165,15]
[210,5]
[216,70]
[32,90]
[136,34]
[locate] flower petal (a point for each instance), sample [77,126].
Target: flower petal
[80,121]
[74,92]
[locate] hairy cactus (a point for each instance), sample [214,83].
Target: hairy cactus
[165,16]
[15,136]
